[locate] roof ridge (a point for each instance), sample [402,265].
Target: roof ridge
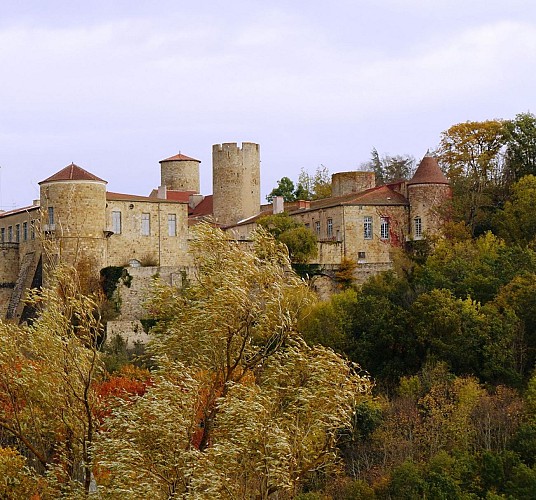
[73,172]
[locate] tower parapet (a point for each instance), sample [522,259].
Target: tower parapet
[235,181]
[180,173]
[351,182]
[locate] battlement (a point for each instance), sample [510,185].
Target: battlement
[232,147]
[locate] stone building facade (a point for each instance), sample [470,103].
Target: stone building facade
[363,222]
[76,220]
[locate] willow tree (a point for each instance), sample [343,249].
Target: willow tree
[240,407]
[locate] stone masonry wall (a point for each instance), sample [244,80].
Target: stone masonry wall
[79,220]
[9,270]
[236,182]
[427,201]
[351,182]
[180,175]
[159,247]
[132,297]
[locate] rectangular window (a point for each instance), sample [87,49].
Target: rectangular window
[32,230]
[384,228]
[418,227]
[51,215]
[3,235]
[17,233]
[24,231]
[116,222]
[317,227]
[361,255]
[330,228]
[172,224]
[145,224]
[367,227]
[10,234]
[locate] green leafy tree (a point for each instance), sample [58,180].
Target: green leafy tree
[313,186]
[476,268]
[390,168]
[300,241]
[519,296]
[246,408]
[285,188]
[520,146]
[516,222]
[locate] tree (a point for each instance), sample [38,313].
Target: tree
[516,222]
[285,188]
[471,154]
[313,186]
[390,168]
[47,374]
[520,146]
[240,406]
[300,241]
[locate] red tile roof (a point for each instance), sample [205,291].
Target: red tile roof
[173,195]
[133,197]
[19,210]
[183,196]
[377,196]
[180,157]
[73,172]
[204,208]
[428,172]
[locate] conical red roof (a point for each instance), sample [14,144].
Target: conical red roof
[73,172]
[180,157]
[428,172]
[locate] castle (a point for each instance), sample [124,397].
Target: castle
[361,222]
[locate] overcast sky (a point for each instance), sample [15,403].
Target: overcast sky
[116,86]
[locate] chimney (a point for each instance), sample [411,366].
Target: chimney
[162,192]
[304,204]
[278,205]
[194,200]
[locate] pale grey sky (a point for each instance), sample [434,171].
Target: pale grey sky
[116,86]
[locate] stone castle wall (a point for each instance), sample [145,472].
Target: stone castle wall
[428,201]
[340,232]
[9,270]
[162,246]
[133,296]
[236,181]
[375,249]
[351,182]
[79,220]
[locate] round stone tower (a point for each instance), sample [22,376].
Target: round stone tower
[351,182]
[73,216]
[236,182]
[180,173]
[428,192]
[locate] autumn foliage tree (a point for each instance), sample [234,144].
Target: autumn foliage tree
[47,373]
[240,406]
